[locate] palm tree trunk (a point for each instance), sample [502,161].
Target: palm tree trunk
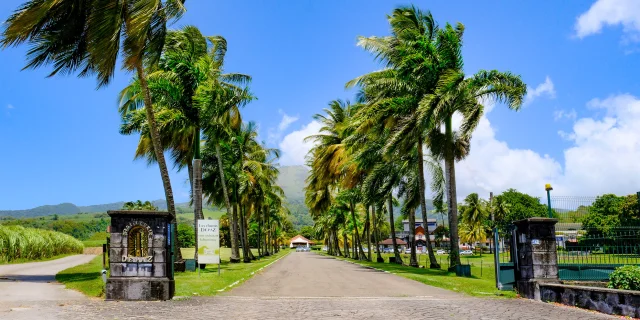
[413,260]
[336,243]
[376,240]
[369,235]
[155,139]
[450,175]
[197,199]
[235,256]
[246,234]
[393,230]
[433,263]
[359,252]
[346,241]
[245,254]
[190,170]
[162,163]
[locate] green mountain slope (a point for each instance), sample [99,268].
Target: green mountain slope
[291,179]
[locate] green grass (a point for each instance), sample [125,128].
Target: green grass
[86,278]
[93,243]
[208,282]
[480,284]
[208,213]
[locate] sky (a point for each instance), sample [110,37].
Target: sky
[578,128]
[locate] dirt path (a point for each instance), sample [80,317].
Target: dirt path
[303,274]
[35,281]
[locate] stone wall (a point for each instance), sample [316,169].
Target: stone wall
[610,301]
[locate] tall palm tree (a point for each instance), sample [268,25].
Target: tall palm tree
[394,93]
[88,36]
[457,93]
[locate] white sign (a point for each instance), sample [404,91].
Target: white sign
[209,241]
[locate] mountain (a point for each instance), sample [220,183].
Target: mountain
[70,208]
[291,179]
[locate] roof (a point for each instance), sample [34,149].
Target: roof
[419,229]
[420,220]
[300,238]
[390,242]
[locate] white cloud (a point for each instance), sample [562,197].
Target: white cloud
[564,114]
[603,157]
[611,13]
[286,121]
[9,106]
[546,88]
[274,134]
[294,148]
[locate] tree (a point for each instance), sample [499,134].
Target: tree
[307,232]
[440,233]
[191,93]
[139,205]
[88,36]
[393,94]
[512,205]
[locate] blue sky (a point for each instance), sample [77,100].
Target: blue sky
[59,136]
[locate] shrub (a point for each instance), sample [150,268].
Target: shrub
[627,278]
[17,242]
[186,236]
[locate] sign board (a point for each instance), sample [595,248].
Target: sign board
[209,241]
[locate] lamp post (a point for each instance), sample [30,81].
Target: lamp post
[549,188]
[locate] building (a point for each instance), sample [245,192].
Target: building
[300,241]
[421,230]
[388,244]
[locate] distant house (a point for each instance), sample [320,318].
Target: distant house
[388,243]
[300,241]
[421,229]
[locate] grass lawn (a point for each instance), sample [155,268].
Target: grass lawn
[477,285]
[86,278]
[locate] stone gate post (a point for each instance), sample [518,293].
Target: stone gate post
[537,259]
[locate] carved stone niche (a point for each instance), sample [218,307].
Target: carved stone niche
[139,256]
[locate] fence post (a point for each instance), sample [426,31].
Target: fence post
[549,188]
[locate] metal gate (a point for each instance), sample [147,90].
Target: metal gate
[504,258]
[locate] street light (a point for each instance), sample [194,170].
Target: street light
[548,188]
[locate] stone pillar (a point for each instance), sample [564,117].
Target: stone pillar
[138,256]
[537,259]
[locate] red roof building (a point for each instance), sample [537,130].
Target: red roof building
[300,241]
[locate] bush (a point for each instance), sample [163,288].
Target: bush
[186,236]
[627,278]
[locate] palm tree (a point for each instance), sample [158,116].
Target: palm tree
[393,94]
[88,36]
[458,94]
[475,210]
[190,87]
[423,86]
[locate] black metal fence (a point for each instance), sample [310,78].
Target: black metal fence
[595,235]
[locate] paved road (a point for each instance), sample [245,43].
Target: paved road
[35,281]
[302,274]
[309,286]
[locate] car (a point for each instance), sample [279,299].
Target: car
[387,250]
[365,249]
[407,250]
[466,252]
[441,252]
